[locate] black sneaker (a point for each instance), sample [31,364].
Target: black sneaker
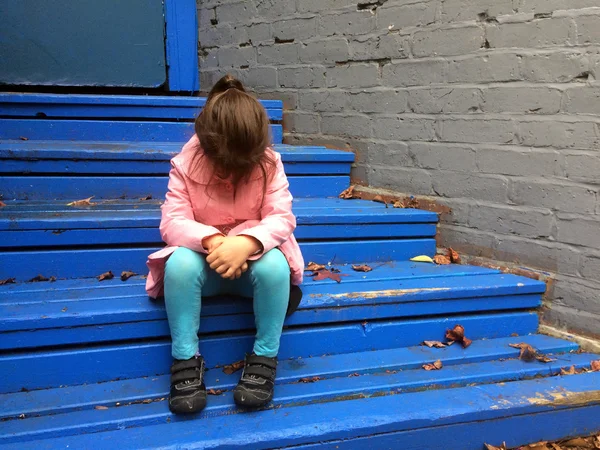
[255,388]
[188,392]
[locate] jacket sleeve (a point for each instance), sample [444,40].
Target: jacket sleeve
[277,220]
[178,226]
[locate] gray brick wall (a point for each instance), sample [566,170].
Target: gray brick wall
[492,106]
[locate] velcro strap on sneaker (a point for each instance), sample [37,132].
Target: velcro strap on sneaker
[253,360]
[186,375]
[259,371]
[194,363]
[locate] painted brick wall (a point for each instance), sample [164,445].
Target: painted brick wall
[490,105]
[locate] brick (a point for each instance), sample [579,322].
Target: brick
[539,33]
[473,186]
[298,29]
[548,6]
[209,77]
[236,56]
[405,180]
[517,162]
[459,210]
[302,77]
[589,266]
[465,10]
[579,231]
[588,29]
[329,51]
[221,35]
[258,77]
[378,101]
[404,128]
[231,12]
[583,100]
[353,76]
[369,47]
[289,98]
[443,157]
[208,59]
[390,154]
[579,294]
[556,67]
[346,23]
[583,167]
[524,222]
[466,240]
[493,67]
[414,73]
[346,125]
[595,67]
[538,100]
[259,32]
[448,41]
[321,5]
[477,130]
[278,54]
[329,100]
[444,100]
[557,196]
[274,8]
[536,253]
[415,15]
[550,133]
[297,122]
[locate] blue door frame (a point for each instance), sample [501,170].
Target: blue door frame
[182,45]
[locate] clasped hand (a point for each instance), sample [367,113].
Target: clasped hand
[228,255]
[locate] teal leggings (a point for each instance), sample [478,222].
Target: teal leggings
[188,278]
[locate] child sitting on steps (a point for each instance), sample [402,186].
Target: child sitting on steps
[228,223]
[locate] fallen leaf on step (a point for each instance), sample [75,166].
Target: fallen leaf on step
[313,267]
[379,199]
[38,279]
[309,379]
[457,334]
[147,197]
[126,275]
[595,365]
[543,358]
[147,401]
[354,375]
[569,371]
[2,204]
[361,268]
[52,279]
[234,367]
[64,309]
[84,202]
[101,407]
[214,392]
[436,344]
[453,256]
[8,281]
[493,447]
[422,258]
[398,204]
[441,260]
[334,270]
[527,353]
[578,443]
[412,203]
[348,193]
[537,446]
[23,138]
[435,366]
[325,274]
[105,276]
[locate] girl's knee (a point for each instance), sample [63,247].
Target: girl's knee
[271,266]
[184,264]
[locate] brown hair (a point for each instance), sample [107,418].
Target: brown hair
[234,133]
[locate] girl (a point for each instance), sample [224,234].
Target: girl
[228,223]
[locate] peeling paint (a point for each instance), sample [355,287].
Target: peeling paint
[386,293]
[565,398]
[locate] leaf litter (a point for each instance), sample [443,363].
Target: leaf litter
[233,367]
[83,202]
[214,391]
[326,274]
[578,443]
[126,275]
[309,379]
[8,281]
[313,267]
[105,276]
[348,194]
[2,204]
[453,256]
[361,268]
[434,366]
[40,278]
[441,260]
[436,344]
[529,354]
[457,334]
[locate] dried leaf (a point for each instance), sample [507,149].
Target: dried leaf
[334,270]
[457,334]
[105,276]
[412,203]
[354,375]
[234,367]
[379,199]
[422,258]
[441,260]
[214,392]
[147,197]
[436,344]
[313,267]
[52,279]
[348,193]
[38,279]
[325,274]
[398,204]
[2,204]
[543,358]
[8,281]
[527,353]
[492,447]
[84,202]
[361,268]
[578,443]
[126,275]
[64,309]
[569,371]
[101,407]
[23,138]
[435,366]
[147,401]
[453,256]
[309,380]
[595,365]
[537,446]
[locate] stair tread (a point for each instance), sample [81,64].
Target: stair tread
[341,419]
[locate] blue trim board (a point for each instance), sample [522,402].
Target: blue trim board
[181,24]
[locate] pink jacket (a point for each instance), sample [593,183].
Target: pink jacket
[195,209]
